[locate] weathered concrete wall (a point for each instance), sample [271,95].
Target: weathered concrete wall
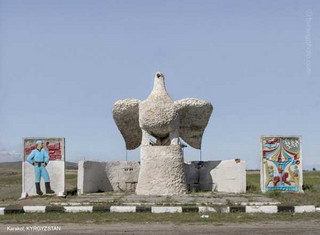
[107,176]
[92,177]
[162,171]
[123,175]
[221,176]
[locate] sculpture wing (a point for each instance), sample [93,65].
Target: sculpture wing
[194,116]
[126,116]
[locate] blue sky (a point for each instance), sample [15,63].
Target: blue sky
[64,63]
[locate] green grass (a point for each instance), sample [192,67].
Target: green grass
[253,182]
[145,217]
[311,185]
[11,183]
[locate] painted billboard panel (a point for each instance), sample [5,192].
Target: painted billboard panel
[281,163]
[43,166]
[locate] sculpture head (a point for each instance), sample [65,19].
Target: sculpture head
[159,80]
[39,144]
[159,75]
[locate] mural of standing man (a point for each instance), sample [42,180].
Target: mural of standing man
[39,158]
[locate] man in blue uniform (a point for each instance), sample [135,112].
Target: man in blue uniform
[39,158]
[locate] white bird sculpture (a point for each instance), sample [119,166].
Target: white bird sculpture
[161,117]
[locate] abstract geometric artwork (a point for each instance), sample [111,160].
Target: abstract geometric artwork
[281,163]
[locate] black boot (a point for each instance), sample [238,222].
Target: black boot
[38,189]
[48,188]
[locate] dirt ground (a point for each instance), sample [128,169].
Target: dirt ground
[303,227]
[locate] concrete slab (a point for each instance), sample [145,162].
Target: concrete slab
[34,209]
[76,209]
[262,209]
[122,209]
[302,209]
[166,209]
[227,176]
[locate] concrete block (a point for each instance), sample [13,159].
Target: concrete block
[206,209]
[2,210]
[229,176]
[317,209]
[221,176]
[302,209]
[92,177]
[166,209]
[261,209]
[32,209]
[107,176]
[76,209]
[122,209]
[123,175]
[225,209]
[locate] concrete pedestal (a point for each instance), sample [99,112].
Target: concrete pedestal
[161,171]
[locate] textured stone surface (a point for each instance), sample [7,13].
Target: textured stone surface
[161,171]
[159,116]
[194,116]
[126,116]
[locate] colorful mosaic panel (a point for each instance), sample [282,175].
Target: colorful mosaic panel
[281,168]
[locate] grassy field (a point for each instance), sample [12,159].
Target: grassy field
[10,184]
[145,217]
[311,195]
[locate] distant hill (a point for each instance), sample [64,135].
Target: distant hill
[17,165]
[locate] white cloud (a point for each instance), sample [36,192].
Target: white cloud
[9,155]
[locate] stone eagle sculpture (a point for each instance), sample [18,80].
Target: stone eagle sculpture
[161,117]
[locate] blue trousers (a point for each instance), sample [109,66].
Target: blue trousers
[41,171]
